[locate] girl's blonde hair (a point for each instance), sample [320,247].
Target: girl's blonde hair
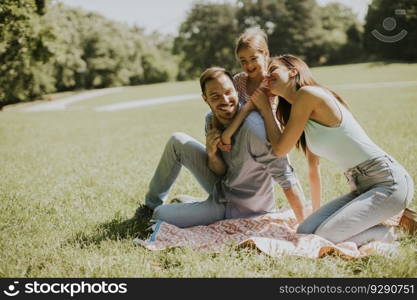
[255,38]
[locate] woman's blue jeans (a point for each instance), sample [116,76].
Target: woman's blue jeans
[381,188]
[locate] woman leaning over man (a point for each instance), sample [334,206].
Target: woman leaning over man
[317,120]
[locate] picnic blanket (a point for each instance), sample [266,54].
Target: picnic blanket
[273,234]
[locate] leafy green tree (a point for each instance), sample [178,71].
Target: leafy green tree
[292,26]
[343,34]
[390,18]
[206,38]
[94,52]
[166,60]
[67,61]
[24,50]
[47,46]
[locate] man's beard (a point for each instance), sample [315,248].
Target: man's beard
[225,116]
[228,115]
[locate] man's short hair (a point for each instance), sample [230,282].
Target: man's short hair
[212,73]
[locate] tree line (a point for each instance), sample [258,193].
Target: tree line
[320,35]
[47,47]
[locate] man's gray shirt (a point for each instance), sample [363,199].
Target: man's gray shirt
[247,188]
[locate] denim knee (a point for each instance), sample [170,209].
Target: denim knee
[176,142]
[177,138]
[329,235]
[157,214]
[305,228]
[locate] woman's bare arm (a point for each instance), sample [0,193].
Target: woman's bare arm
[314,179]
[301,110]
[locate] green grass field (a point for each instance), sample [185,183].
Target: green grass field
[70,180]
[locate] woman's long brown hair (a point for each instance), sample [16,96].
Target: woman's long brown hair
[303,78]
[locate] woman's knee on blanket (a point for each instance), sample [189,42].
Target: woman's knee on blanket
[330,234]
[307,227]
[310,227]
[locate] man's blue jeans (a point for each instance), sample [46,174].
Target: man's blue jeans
[182,150]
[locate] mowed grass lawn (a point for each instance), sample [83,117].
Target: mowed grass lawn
[70,180]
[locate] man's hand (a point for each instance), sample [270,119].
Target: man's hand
[215,161]
[214,127]
[225,141]
[224,147]
[212,141]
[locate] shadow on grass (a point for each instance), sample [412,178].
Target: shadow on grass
[115,230]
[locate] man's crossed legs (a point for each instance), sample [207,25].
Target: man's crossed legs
[183,150]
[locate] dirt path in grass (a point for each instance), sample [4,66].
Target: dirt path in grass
[61,104]
[147,102]
[156,101]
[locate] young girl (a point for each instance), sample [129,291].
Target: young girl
[253,55]
[319,121]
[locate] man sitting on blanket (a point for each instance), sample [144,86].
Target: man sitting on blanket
[240,182]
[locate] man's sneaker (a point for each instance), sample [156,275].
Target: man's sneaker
[143,213]
[408,221]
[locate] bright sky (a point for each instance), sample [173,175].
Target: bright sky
[166,15]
